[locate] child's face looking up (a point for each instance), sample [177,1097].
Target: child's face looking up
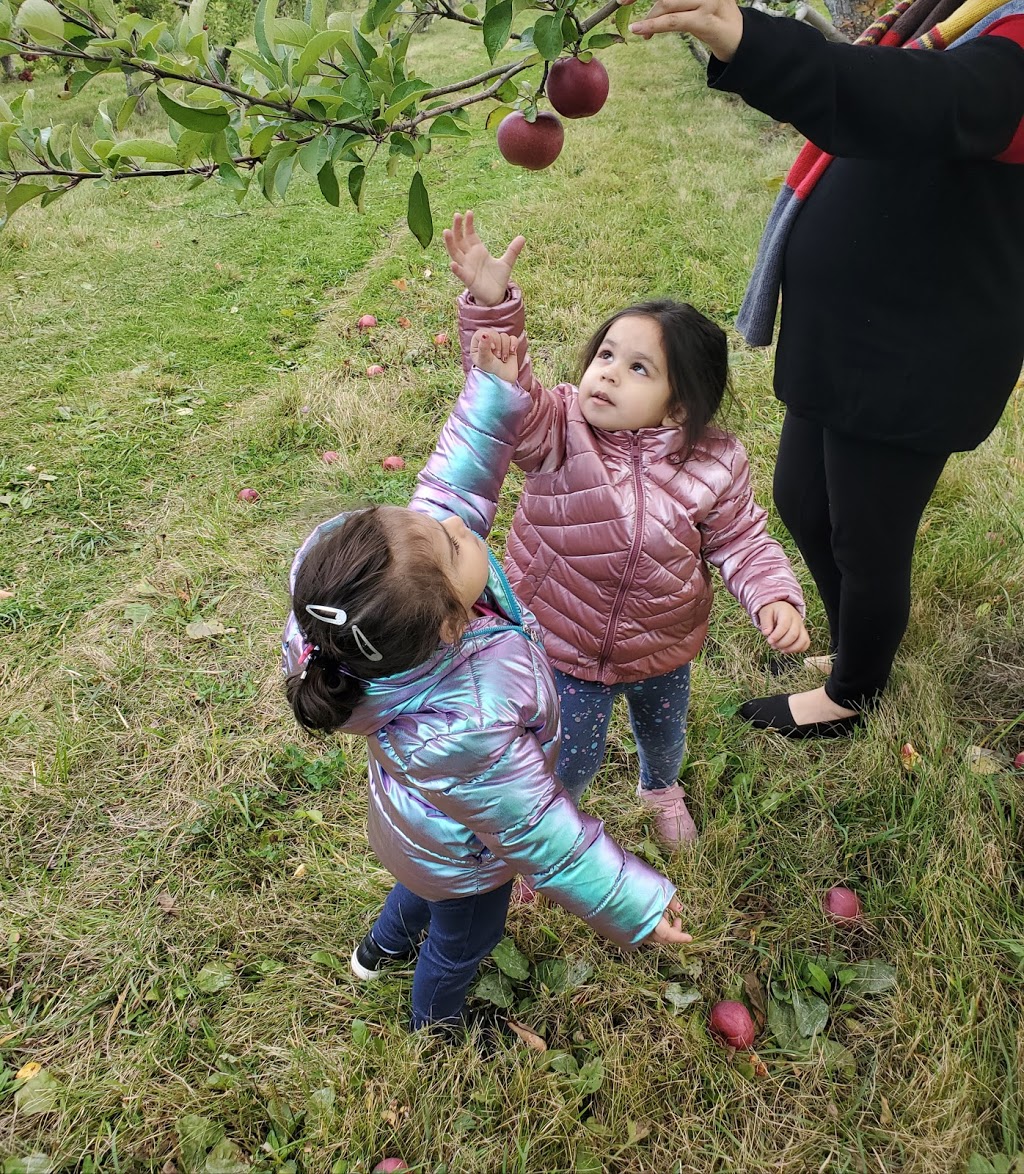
[461,555]
[626,386]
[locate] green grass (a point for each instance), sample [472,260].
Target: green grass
[183,874]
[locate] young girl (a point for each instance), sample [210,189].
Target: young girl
[630,492]
[405,630]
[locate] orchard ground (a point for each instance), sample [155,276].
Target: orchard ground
[184,874]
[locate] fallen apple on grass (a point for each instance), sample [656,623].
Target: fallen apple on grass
[390,1166]
[374,369]
[732,1024]
[842,905]
[577,89]
[441,339]
[393,464]
[249,495]
[329,457]
[533,145]
[367,322]
[1018,762]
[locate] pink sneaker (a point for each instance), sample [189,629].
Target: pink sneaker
[671,819]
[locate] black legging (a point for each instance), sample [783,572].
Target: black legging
[853,508]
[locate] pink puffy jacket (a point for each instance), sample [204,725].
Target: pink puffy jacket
[613,534]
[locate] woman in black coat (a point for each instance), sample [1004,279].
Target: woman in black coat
[902,326]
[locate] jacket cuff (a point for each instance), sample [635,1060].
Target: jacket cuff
[766,44]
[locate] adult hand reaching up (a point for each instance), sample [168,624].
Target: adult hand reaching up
[718,23]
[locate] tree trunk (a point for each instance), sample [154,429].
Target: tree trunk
[8,67]
[851,17]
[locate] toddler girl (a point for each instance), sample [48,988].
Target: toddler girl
[404,629]
[631,491]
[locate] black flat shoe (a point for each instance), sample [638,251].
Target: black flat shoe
[773,713]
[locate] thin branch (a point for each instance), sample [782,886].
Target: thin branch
[466,85]
[490,92]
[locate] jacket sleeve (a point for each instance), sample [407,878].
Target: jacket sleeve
[753,565]
[494,779]
[879,102]
[541,443]
[465,472]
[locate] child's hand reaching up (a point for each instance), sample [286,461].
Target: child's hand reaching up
[497,354]
[485,277]
[782,627]
[669,931]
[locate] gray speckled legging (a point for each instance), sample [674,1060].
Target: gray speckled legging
[657,715]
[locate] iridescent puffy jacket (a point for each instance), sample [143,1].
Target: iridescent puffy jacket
[613,536]
[462,748]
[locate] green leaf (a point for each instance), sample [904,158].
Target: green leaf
[313,155]
[327,178]
[149,149]
[811,1013]
[213,977]
[870,977]
[496,115]
[603,40]
[496,989]
[497,26]
[547,36]
[783,1026]
[331,961]
[41,1094]
[590,1078]
[366,52]
[403,95]
[819,979]
[268,69]
[318,46]
[507,956]
[195,1137]
[206,119]
[623,15]
[356,176]
[551,973]
[356,90]
[291,32]
[445,125]
[679,998]
[231,177]
[19,195]
[263,21]
[41,21]
[226,1157]
[127,110]
[34,1163]
[421,223]
[6,18]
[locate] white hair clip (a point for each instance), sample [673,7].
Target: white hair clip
[338,617]
[328,615]
[364,645]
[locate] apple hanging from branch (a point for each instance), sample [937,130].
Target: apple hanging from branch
[533,145]
[575,88]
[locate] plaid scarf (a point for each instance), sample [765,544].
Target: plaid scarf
[914,24]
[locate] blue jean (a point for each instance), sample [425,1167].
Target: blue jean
[462,932]
[657,716]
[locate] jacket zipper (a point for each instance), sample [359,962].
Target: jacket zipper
[634,556]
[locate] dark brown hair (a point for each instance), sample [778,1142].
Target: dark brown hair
[392,588]
[697,357]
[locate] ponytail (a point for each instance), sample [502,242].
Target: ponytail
[322,697]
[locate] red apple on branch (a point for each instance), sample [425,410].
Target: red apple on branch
[577,89]
[534,145]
